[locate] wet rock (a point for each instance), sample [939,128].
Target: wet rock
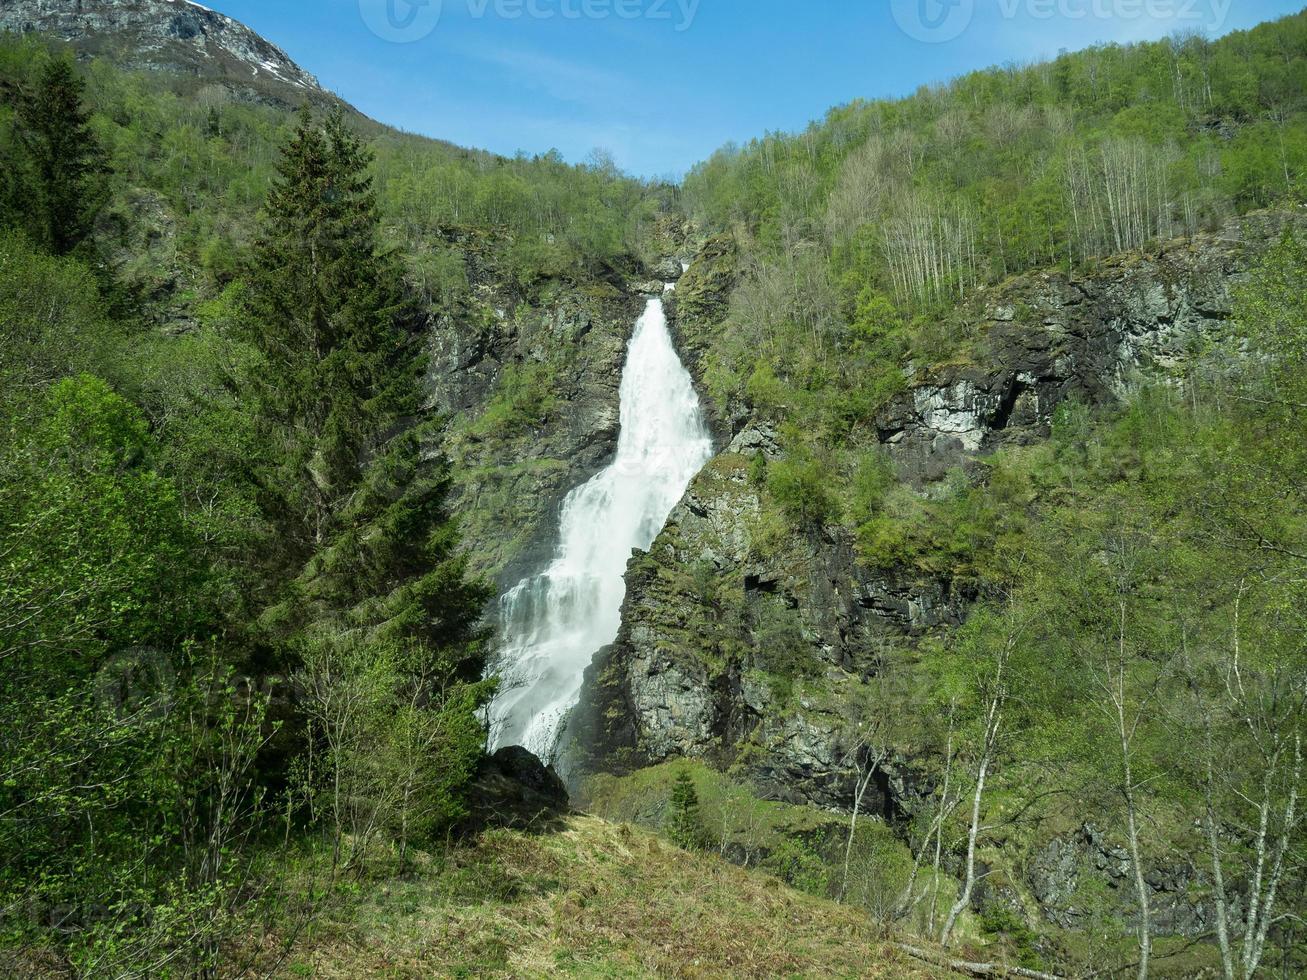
[668,269]
[511,478]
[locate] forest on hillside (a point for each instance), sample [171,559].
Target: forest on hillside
[862,234]
[1135,652]
[241,646]
[244,652]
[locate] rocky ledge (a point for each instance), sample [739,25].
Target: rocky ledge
[175,36]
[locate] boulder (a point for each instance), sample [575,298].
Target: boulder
[514,789]
[668,269]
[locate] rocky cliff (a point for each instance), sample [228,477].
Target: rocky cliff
[175,36]
[755,646]
[529,377]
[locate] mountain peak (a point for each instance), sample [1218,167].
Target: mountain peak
[177,36]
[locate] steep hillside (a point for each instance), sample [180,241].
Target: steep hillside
[529,271]
[765,649]
[241,346]
[595,899]
[172,36]
[955,392]
[984,626]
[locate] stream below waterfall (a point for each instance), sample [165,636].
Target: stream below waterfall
[553,623]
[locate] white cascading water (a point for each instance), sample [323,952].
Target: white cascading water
[554,623]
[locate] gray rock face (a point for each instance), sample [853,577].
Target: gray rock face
[511,479]
[1051,337]
[747,645]
[668,269]
[719,633]
[1057,871]
[167,35]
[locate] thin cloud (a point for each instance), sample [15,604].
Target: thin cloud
[569,81]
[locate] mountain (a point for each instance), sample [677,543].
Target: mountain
[175,36]
[1005,383]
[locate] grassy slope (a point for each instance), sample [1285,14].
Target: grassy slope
[593,899]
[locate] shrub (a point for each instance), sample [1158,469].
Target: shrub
[802,486]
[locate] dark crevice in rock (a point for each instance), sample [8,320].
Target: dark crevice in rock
[1003,414]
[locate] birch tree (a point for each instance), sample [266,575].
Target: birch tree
[993,650]
[1250,710]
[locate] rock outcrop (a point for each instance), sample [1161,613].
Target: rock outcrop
[531,382]
[1062,876]
[750,644]
[514,789]
[1050,337]
[175,36]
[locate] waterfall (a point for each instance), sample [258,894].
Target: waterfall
[552,624]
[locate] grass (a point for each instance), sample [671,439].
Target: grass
[730,811]
[802,845]
[594,899]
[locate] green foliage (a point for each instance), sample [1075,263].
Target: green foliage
[121,731]
[1273,312]
[324,310]
[61,158]
[683,823]
[96,553]
[1005,169]
[799,865]
[379,615]
[880,870]
[998,920]
[52,319]
[255,495]
[1157,553]
[784,654]
[800,483]
[872,482]
[865,240]
[524,396]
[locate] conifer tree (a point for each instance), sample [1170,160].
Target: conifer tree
[356,484]
[326,306]
[63,159]
[376,597]
[684,825]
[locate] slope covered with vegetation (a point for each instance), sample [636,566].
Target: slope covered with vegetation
[860,235]
[236,618]
[1007,550]
[589,899]
[241,631]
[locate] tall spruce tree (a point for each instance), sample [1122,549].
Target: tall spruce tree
[63,161]
[326,307]
[377,595]
[355,482]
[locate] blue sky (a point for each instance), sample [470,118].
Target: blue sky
[660,84]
